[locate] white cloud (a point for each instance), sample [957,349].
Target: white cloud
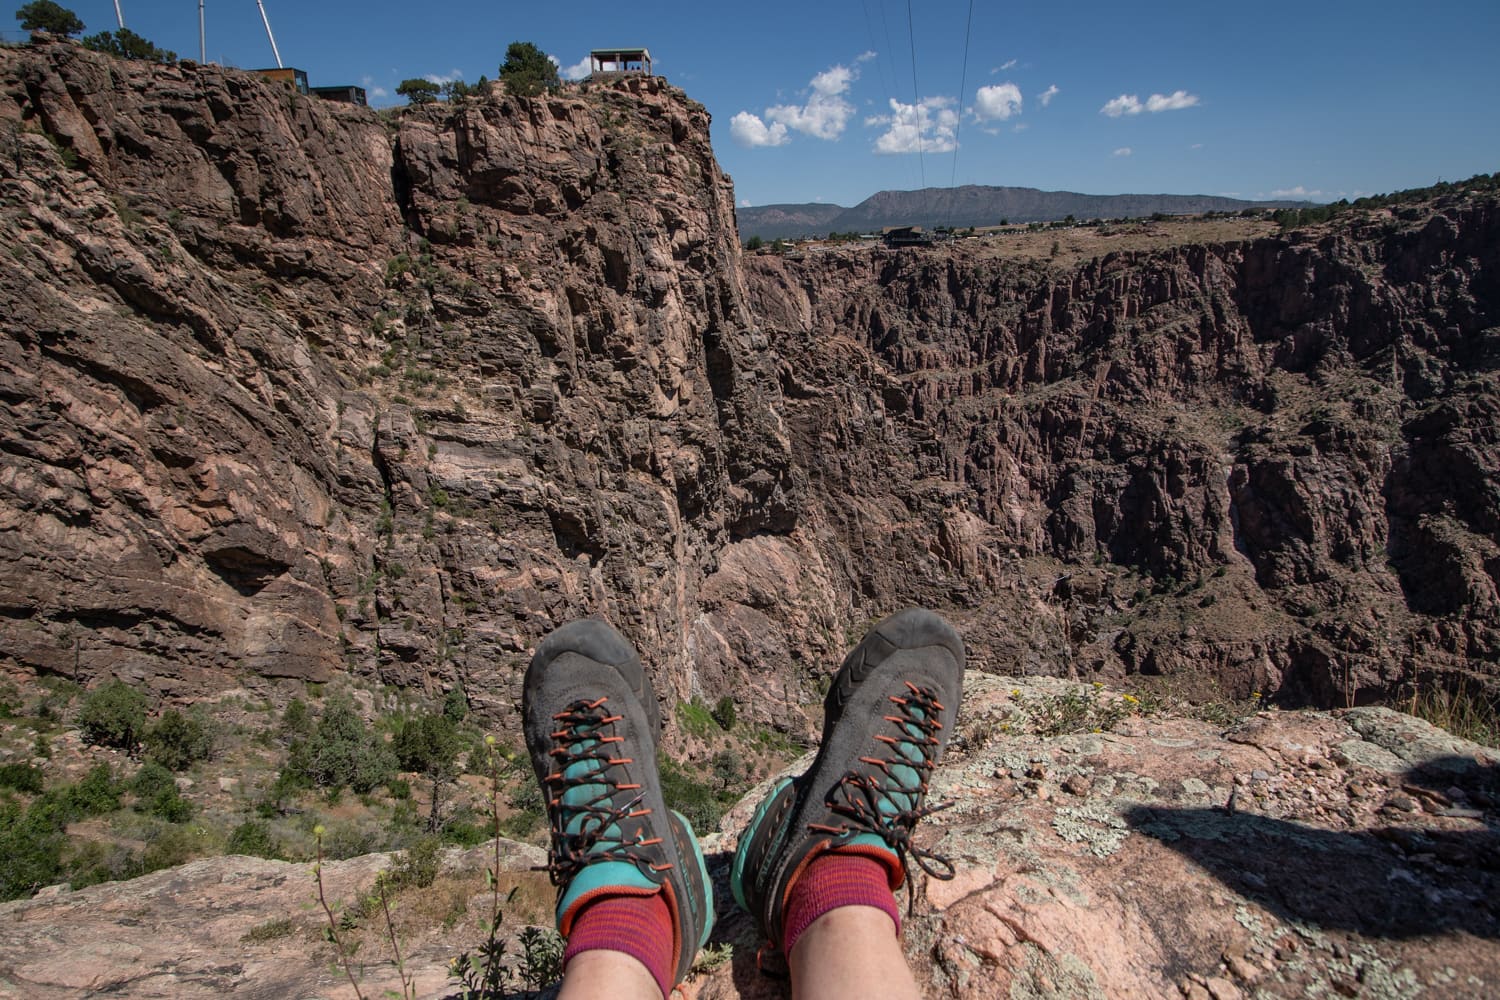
[826,112]
[1008,64]
[578,70]
[1130,104]
[997,103]
[371,88]
[1196,145]
[929,126]
[865,56]
[1123,151]
[749,130]
[441,78]
[1020,127]
[1175,101]
[1299,192]
[744,203]
[1046,96]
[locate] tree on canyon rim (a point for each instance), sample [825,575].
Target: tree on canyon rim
[527,71]
[44,15]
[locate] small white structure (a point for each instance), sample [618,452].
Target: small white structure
[609,63]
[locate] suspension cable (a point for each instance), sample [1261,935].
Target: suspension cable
[963,82]
[916,100]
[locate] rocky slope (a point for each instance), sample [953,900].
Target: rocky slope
[291,389]
[1290,854]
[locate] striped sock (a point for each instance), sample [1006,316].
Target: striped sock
[832,880]
[639,926]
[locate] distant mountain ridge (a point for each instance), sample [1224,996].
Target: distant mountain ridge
[975,205]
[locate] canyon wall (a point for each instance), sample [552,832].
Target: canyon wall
[292,390]
[1269,462]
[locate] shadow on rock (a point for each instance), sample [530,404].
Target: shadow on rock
[1394,881]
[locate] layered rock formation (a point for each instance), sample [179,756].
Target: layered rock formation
[1270,462]
[291,389]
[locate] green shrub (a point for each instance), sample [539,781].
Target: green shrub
[426,744]
[695,800]
[113,715]
[456,704]
[417,867]
[466,832]
[541,958]
[22,777]
[253,837]
[97,794]
[342,751]
[177,740]
[31,845]
[727,769]
[156,794]
[348,839]
[152,780]
[296,720]
[724,713]
[93,862]
[172,846]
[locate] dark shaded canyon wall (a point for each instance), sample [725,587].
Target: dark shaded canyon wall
[1271,462]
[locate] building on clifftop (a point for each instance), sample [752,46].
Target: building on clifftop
[610,64]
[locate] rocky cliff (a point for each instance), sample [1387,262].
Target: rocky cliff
[291,389]
[1271,462]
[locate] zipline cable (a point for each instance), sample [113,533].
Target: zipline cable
[916,100]
[963,82]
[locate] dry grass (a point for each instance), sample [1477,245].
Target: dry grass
[1466,711]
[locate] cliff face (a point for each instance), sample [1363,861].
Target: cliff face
[290,389]
[1269,461]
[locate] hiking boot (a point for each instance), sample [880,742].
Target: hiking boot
[886,722]
[591,727]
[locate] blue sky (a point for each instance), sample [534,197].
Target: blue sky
[815,101]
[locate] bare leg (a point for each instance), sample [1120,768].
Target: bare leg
[851,951]
[593,974]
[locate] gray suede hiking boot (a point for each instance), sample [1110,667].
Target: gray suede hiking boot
[591,727]
[886,722]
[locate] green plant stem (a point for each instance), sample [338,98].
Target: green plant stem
[408,984]
[333,925]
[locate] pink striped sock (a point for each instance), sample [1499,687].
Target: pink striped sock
[639,926]
[832,880]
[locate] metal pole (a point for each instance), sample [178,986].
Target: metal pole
[119,16]
[267,22]
[202,47]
